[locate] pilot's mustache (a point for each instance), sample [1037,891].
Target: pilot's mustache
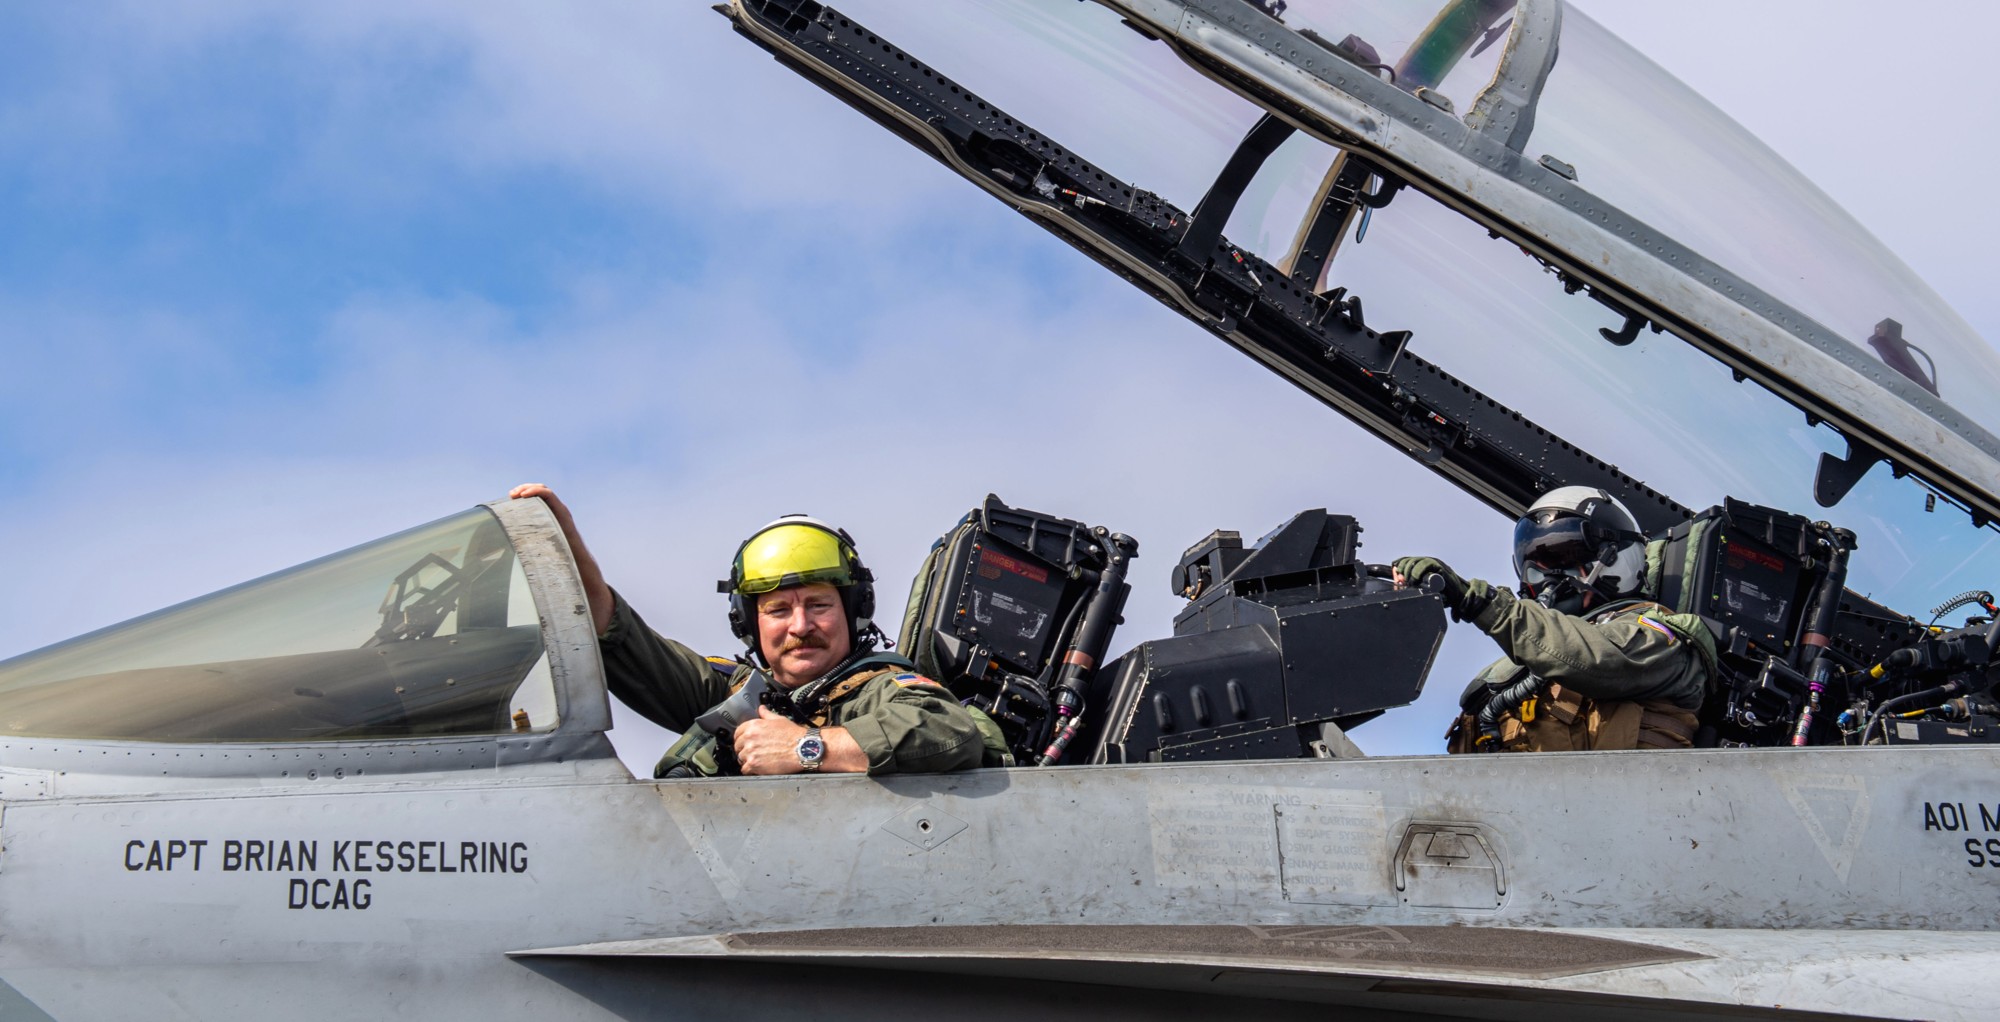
[802,642]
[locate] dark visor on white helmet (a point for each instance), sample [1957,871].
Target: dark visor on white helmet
[1554,541]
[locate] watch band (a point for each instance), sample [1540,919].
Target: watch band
[811,740]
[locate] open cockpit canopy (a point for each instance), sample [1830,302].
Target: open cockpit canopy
[1571,262]
[427,633]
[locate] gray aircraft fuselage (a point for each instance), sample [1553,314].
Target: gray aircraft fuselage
[531,874]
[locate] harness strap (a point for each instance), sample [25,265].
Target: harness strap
[841,689]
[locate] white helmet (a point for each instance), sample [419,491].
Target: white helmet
[1582,533]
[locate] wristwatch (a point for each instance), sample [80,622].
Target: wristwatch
[811,750]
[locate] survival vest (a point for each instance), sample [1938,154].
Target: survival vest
[697,753]
[1555,719]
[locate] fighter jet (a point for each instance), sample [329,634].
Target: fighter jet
[378,783]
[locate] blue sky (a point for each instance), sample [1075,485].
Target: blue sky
[276,279]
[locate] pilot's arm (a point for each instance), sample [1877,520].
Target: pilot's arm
[595,592]
[909,724]
[897,722]
[665,681]
[1632,657]
[769,745]
[668,683]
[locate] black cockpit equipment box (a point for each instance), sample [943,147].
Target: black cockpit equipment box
[1283,646]
[1012,611]
[1752,573]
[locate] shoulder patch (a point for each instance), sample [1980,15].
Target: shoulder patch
[1648,622]
[906,680]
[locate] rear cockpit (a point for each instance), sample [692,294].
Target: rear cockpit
[1576,271]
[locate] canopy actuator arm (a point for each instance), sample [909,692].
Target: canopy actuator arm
[1342,196]
[1211,214]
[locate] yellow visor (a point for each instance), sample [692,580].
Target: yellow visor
[792,555]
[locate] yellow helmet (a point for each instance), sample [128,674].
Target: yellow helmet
[793,551]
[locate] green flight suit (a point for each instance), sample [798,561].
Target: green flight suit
[904,722]
[1632,674]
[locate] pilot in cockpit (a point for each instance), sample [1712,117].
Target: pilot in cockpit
[802,602]
[1591,661]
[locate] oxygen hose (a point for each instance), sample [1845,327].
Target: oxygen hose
[1487,721]
[1895,663]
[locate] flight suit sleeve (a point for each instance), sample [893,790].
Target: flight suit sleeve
[911,727]
[668,683]
[1617,659]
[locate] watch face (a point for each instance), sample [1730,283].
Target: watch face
[811,749]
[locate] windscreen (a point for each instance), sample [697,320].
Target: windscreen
[428,632]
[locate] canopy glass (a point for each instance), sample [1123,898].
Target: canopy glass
[1656,149]
[1657,408]
[1452,48]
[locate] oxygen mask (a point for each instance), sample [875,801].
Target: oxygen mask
[1561,592]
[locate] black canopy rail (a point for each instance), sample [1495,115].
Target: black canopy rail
[1320,342]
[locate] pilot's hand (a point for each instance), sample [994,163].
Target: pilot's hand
[1411,571]
[596,592]
[769,744]
[1464,598]
[556,506]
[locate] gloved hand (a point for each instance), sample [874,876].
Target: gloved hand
[1415,569]
[1464,598]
